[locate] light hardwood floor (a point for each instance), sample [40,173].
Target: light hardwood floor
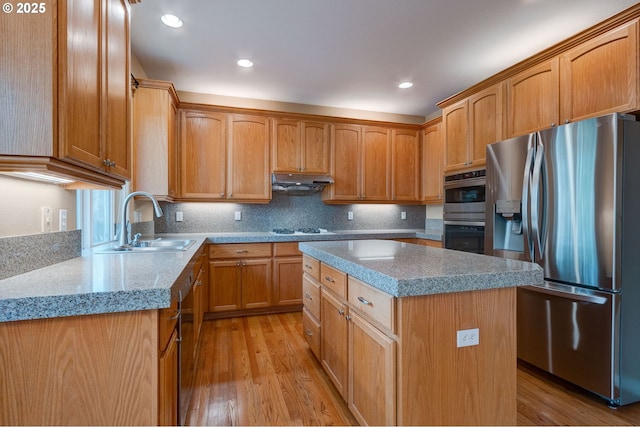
[259,371]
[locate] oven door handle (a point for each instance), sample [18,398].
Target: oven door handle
[468,223]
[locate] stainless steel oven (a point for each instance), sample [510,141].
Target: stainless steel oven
[464,211]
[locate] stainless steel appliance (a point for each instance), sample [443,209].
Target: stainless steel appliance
[464,211]
[567,198]
[298,184]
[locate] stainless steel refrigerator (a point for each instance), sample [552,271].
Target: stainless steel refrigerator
[568,198]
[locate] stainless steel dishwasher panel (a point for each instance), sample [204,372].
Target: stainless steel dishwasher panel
[571,332]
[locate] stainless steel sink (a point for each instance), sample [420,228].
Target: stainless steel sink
[158,245]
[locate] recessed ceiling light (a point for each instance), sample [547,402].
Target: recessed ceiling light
[171,21]
[405,85]
[246,63]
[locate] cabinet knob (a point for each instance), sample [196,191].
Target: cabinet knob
[308,296]
[221,194]
[567,121]
[341,312]
[308,332]
[553,124]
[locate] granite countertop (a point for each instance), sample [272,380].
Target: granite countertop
[403,270]
[97,283]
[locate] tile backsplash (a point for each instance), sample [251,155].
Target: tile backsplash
[286,212]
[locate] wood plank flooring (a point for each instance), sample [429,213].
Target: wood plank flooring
[259,371]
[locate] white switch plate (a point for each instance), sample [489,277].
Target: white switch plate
[468,337]
[179,216]
[46,219]
[403,215]
[350,216]
[62,215]
[238,216]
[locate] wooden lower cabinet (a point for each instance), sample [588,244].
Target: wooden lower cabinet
[396,360]
[239,284]
[372,373]
[334,340]
[287,274]
[168,383]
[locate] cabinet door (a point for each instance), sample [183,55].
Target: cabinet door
[485,122]
[224,285]
[286,146]
[405,169]
[376,164]
[256,283]
[372,374]
[533,99]
[198,309]
[248,164]
[154,142]
[333,340]
[456,135]
[168,384]
[202,155]
[315,147]
[601,76]
[117,88]
[345,162]
[287,280]
[80,84]
[432,164]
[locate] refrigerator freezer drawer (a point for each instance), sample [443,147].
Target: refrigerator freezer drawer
[570,332]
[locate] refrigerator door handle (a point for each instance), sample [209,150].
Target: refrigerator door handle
[526,185]
[536,227]
[593,299]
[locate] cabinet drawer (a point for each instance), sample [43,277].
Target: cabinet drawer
[334,279]
[311,266]
[167,320]
[286,249]
[240,250]
[311,331]
[372,303]
[311,295]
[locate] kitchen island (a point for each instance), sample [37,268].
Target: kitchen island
[413,335]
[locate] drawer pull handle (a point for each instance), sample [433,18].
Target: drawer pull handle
[308,332]
[241,251]
[329,279]
[309,266]
[176,316]
[364,301]
[308,296]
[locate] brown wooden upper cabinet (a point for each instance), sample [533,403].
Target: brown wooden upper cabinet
[600,76]
[376,164]
[224,156]
[345,163]
[154,139]
[203,153]
[405,165]
[533,99]
[469,125]
[596,77]
[300,146]
[74,92]
[431,155]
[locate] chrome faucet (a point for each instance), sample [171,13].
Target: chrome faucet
[124,229]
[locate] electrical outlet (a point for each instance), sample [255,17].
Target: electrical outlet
[350,216]
[468,337]
[179,216]
[403,215]
[238,216]
[46,218]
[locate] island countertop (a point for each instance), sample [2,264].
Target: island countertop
[402,269]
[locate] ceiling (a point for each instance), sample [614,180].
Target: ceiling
[350,53]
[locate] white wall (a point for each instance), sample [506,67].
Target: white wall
[21,201]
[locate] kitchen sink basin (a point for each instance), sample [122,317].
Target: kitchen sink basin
[158,245]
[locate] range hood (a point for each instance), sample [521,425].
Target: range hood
[297,184]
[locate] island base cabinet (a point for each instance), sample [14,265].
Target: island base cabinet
[442,384]
[334,340]
[372,373]
[80,370]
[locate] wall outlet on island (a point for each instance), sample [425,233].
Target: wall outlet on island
[468,337]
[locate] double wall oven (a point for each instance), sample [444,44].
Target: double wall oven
[464,211]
